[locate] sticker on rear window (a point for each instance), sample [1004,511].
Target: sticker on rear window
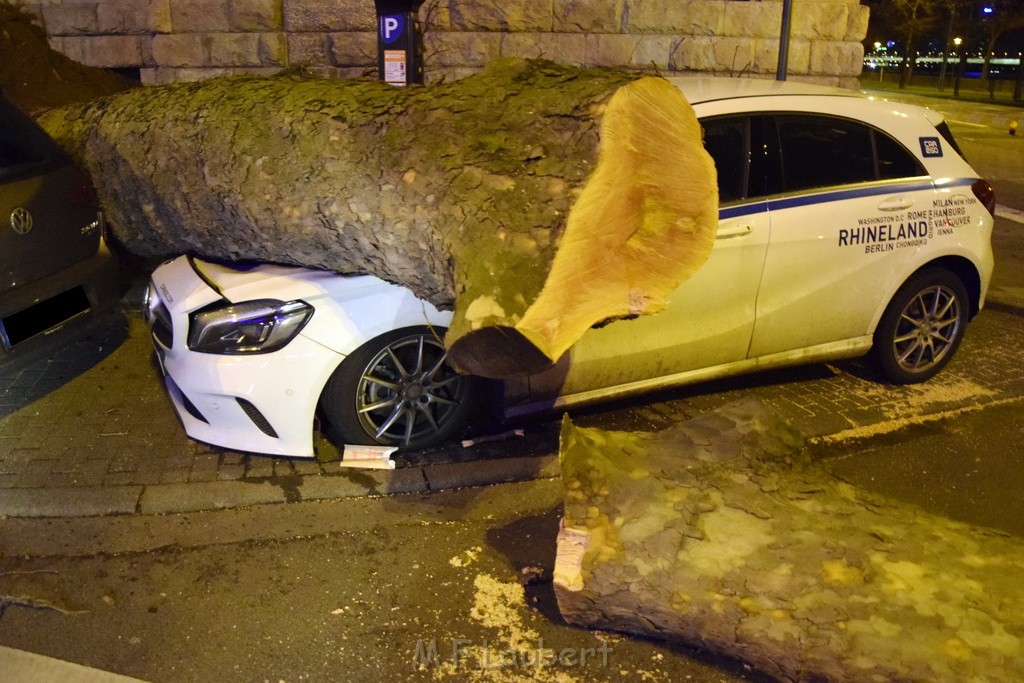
[931,147]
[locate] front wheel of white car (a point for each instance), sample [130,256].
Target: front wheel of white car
[397,390]
[922,327]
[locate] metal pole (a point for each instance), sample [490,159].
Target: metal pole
[787,11]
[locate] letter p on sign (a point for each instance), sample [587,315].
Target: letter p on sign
[391,28]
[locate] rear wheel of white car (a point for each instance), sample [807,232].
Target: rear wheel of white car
[922,327]
[397,390]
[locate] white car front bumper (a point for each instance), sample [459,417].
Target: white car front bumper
[263,403]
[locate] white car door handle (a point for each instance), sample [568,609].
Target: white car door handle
[734,230]
[896,204]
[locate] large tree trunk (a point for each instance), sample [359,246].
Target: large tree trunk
[717,533]
[537,200]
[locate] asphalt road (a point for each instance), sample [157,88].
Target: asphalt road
[417,587]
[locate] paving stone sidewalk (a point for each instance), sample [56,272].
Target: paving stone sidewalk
[90,431]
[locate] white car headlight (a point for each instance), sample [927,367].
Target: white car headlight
[259,326]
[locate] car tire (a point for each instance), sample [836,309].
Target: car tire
[922,327]
[397,390]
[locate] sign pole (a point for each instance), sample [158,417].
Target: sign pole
[787,12]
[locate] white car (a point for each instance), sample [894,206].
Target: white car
[847,226]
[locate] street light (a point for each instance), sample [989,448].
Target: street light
[956,80]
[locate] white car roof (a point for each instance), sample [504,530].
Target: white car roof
[708,88]
[704,89]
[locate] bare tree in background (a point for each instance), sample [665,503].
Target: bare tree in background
[911,19]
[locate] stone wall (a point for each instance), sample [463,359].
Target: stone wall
[173,40]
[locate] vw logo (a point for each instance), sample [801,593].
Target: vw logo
[21,221]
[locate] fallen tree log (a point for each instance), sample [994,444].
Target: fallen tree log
[718,534]
[534,199]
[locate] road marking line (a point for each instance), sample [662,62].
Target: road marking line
[968,123]
[1015,215]
[864,432]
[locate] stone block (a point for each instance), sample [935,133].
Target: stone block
[498,15]
[766,55]
[608,49]
[687,17]
[832,58]
[733,55]
[566,48]
[180,50]
[329,15]
[820,20]
[200,16]
[256,15]
[857,28]
[308,49]
[123,17]
[353,49]
[160,16]
[105,51]
[588,16]
[273,49]
[447,74]
[246,49]
[752,19]
[163,75]
[716,55]
[461,49]
[70,20]
[693,53]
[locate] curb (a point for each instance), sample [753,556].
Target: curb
[158,499]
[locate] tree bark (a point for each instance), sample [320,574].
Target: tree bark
[718,534]
[534,199]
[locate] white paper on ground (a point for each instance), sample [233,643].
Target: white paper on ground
[369,457]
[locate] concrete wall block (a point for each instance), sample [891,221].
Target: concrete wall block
[256,15]
[500,15]
[329,15]
[831,58]
[309,49]
[180,50]
[589,16]
[820,20]
[752,19]
[353,49]
[105,51]
[567,48]
[684,17]
[471,50]
[70,20]
[195,16]
[857,28]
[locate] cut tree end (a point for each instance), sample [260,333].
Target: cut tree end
[644,221]
[497,352]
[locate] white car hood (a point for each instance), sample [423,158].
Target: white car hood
[267,281]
